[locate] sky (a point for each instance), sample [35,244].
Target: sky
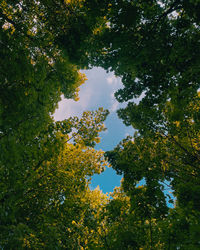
[98,91]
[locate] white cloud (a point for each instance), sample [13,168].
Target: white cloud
[110,79]
[98,91]
[69,107]
[66,108]
[114,106]
[93,94]
[114,81]
[112,95]
[114,103]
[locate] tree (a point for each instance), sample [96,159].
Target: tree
[41,199]
[126,228]
[34,74]
[45,166]
[43,174]
[155,52]
[166,157]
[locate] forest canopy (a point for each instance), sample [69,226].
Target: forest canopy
[46,165]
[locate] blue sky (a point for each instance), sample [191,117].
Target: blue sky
[98,91]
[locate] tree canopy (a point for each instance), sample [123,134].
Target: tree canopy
[46,166]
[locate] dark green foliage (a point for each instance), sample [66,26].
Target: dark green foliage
[45,166]
[155,53]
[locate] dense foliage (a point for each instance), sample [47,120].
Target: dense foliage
[46,166]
